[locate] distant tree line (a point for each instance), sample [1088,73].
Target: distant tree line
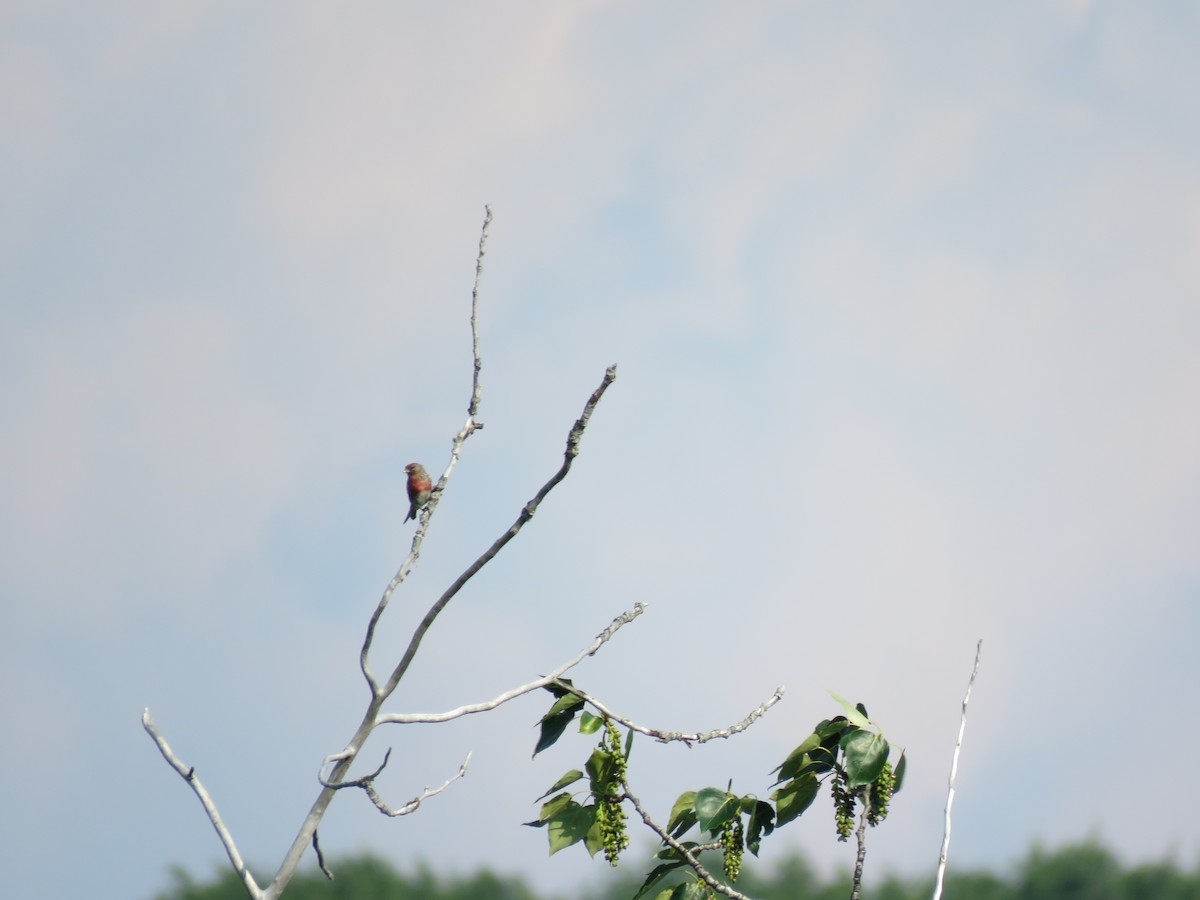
[1082,871]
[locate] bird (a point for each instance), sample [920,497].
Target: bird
[419,488]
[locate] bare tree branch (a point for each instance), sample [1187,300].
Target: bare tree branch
[367,783]
[545,681]
[316,842]
[962,725]
[668,736]
[188,773]
[689,855]
[860,857]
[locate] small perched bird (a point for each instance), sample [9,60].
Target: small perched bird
[419,488]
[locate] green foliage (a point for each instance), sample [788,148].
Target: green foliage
[363,878]
[849,752]
[1084,871]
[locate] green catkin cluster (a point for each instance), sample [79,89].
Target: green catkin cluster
[843,804]
[733,841]
[610,814]
[881,794]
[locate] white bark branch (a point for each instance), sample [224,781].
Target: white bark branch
[684,737]
[188,773]
[962,725]
[545,681]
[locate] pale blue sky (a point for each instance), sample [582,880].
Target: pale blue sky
[906,303]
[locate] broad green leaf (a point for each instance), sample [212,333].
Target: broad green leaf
[901,768]
[594,842]
[762,822]
[555,722]
[590,723]
[852,713]
[553,807]
[794,798]
[790,766]
[551,731]
[692,890]
[569,825]
[683,814]
[669,852]
[656,875]
[865,752]
[600,768]
[714,808]
[565,703]
[569,778]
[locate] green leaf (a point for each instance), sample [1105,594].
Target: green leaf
[590,723]
[865,752]
[762,823]
[552,807]
[565,703]
[628,743]
[794,798]
[569,778]
[683,814]
[555,722]
[569,825]
[691,890]
[852,713]
[901,768]
[600,769]
[715,808]
[594,842]
[798,757]
[656,875]
[669,852]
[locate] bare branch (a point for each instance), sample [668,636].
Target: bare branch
[962,725]
[469,428]
[552,678]
[476,389]
[860,857]
[188,773]
[689,855]
[367,784]
[316,842]
[684,737]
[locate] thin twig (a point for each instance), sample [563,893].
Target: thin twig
[684,737]
[367,784]
[469,428]
[962,725]
[689,855]
[188,773]
[321,857]
[476,389]
[545,681]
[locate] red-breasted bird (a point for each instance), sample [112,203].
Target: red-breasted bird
[419,488]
